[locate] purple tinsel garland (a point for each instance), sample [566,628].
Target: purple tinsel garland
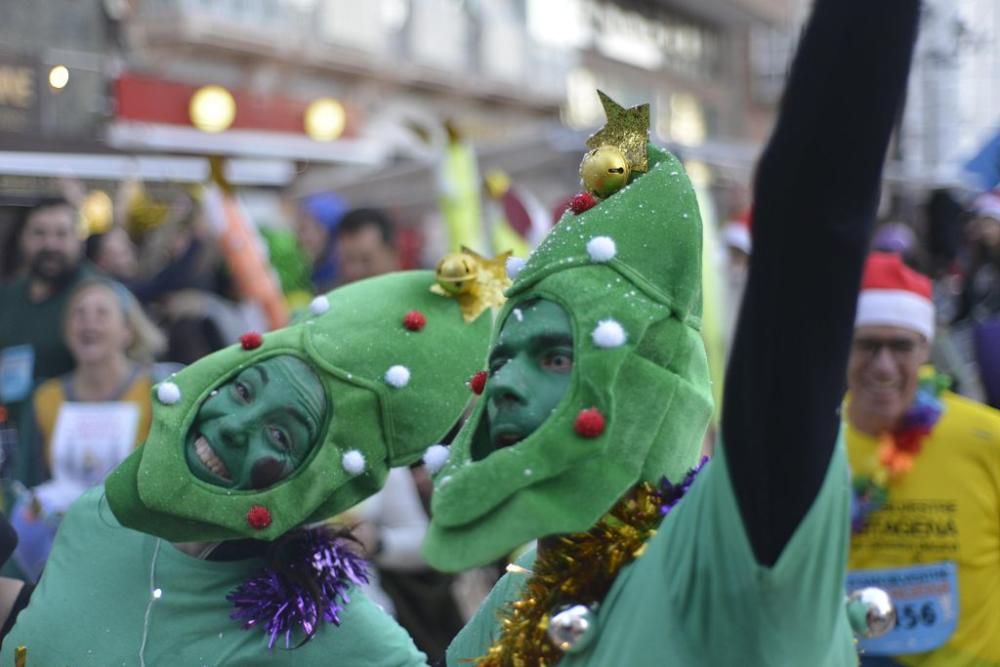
[282,605]
[671,494]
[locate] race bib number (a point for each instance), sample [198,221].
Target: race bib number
[926,601]
[17,365]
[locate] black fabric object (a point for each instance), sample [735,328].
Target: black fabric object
[425,607]
[945,227]
[8,539]
[815,203]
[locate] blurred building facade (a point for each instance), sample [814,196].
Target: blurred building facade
[514,77]
[954,97]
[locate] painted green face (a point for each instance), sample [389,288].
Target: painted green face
[255,430]
[530,368]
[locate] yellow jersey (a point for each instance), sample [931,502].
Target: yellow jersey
[945,510]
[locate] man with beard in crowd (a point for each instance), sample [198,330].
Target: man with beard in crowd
[31,310]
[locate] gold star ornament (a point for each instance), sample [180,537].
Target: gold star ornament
[617,150]
[476,282]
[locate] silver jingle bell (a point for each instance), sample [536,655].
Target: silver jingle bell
[573,627]
[871,612]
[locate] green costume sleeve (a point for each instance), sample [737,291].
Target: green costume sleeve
[696,581]
[90,607]
[482,629]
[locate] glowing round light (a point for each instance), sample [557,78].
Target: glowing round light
[325,119]
[58,77]
[212,109]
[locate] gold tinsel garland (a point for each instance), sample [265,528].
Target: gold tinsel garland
[578,569]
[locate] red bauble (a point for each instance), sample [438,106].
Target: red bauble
[589,423]
[251,340]
[583,201]
[414,320]
[259,517]
[477,383]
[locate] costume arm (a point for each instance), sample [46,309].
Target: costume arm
[815,201]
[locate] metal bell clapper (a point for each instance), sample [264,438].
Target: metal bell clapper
[871,612]
[573,627]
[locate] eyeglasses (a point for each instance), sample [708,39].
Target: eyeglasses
[900,348]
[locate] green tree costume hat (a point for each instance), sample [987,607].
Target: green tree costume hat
[393,359]
[628,273]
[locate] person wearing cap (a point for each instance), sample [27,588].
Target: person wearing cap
[926,470]
[978,308]
[202,546]
[896,237]
[596,396]
[315,224]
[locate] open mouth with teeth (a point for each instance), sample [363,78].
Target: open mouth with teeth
[210,459]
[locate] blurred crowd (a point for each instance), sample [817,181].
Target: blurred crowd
[955,240]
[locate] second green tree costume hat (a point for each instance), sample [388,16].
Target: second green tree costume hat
[628,273]
[393,359]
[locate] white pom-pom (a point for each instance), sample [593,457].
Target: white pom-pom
[609,333]
[319,305]
[435,457]
[601,248]
[398,376]
[353,462]
[514,266]
[168,393]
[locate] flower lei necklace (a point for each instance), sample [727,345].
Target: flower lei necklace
[581,569]
[897,450]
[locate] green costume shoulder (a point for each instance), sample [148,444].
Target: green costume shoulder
[685,600]
[91,606]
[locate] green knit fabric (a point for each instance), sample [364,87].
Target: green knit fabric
[351,347]
[653,391]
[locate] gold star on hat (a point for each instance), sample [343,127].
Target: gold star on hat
[476,282]
[626,129]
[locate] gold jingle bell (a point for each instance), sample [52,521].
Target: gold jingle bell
[457,272]
[604,171]
[572,628]
[871,612]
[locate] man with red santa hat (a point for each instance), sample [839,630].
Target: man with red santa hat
[926,480]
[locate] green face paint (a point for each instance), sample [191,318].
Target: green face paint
[530,369]
[257,429]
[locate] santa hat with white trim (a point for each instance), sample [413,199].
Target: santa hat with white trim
[892,294]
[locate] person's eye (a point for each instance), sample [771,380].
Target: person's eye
[496,364]
[558,361]
[866,346]
[242,391]
[280,438]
